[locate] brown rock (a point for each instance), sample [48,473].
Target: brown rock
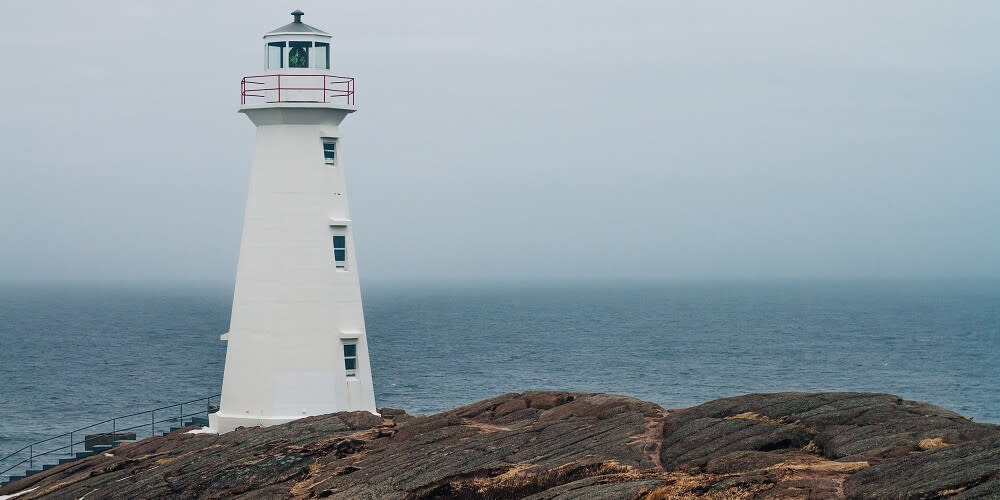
[510,407]
[548,445]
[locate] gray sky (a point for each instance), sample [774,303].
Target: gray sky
[520,140]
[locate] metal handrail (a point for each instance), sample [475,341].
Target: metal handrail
[333,86]
[30,448]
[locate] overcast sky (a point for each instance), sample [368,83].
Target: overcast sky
[519,140]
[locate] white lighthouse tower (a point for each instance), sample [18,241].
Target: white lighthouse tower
[296,342]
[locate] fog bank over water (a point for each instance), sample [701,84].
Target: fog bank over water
[519,140]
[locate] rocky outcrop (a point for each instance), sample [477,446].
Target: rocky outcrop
[549,445]
[839,445]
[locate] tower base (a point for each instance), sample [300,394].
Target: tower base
[225,423]
[221,423]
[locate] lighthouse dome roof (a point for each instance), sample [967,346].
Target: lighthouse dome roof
[297,26]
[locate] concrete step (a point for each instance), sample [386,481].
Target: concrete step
[68,460]
[123,441]
[31,472]
[84,454]
[11,479]
[105,438]
[198,421]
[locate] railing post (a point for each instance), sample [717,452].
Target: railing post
[324,89]
[182,413]
[279,88]
[31,456]
[152,423]
[114,432]
[70,443]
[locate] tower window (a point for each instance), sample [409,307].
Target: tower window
[330,151]
[275,55]
[340,248]
[351,358]
[298,54]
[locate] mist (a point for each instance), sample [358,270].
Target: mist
[519,140]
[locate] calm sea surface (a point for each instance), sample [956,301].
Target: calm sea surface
[73,354]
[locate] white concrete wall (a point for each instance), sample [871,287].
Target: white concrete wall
[292,307]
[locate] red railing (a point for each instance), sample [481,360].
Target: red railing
[298,88]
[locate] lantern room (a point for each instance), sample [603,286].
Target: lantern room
[297,60]
[297,45]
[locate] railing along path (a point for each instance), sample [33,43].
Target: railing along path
[205,405]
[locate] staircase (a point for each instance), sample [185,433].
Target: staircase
[93,439]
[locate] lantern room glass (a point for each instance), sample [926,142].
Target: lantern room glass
[275,55]
[314,55]
[322,56]
[298,54]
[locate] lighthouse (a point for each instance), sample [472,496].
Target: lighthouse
[296,344]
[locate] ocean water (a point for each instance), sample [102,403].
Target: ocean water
[74,354]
